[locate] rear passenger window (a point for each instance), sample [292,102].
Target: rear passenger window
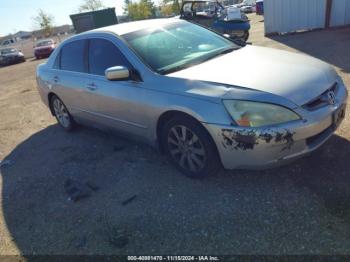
[72,56]
[104,54]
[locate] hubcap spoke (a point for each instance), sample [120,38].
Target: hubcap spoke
[170,140]
[183,131]
[193,140]
[175,133]
[198,151]
[197,160]
[191,164]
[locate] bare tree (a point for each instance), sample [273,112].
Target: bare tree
[44,21]
[91,5]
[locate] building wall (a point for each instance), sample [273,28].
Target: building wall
[283,16]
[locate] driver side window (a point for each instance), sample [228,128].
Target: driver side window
[104,54]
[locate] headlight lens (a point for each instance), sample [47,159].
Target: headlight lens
[256,114]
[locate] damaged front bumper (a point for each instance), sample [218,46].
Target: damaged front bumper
[260,148]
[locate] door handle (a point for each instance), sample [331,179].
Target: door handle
[91,86]
[56,79]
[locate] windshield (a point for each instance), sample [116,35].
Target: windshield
[8,51]
[44,43]
[177,46]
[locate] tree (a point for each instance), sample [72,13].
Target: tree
[141,10]
[170,7]
[126,6]
[44,21]
[176,7]
[91,5]
[166,10]
[150,6]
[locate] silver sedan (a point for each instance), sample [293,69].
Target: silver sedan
[205,101]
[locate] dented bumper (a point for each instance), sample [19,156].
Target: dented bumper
[259,148]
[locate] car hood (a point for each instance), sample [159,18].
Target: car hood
[299,78]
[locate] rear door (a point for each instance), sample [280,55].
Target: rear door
[69,77]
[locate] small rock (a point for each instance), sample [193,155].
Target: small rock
[118,238]
[76,190]
[92,186]
[128,200]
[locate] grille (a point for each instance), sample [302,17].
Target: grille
[321,100]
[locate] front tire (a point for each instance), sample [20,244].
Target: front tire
[189,147]
[63,117]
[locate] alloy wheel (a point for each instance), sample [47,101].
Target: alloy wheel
[186,148]
[61,113]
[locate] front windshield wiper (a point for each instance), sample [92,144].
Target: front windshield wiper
[174,69]
[221,52]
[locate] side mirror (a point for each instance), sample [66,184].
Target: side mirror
[117,73]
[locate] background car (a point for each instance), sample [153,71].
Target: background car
[10,56]
[211,14]
[179,86]
[44,48]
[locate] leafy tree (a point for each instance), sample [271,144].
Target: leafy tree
[176,7]
[166,10]
[126,6]
[44,21]
[91,5]
[141,10]
[150,5]
[169,7]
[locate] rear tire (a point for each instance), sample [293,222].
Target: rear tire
[63,117]
[189,147]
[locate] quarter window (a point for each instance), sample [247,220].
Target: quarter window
[104,54]
[72,56]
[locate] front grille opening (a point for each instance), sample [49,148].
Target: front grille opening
[321,100]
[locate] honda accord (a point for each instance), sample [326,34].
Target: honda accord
[187,90]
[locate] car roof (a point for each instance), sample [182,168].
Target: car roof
[200,1]
[44,40]
[8,48]
[129,27]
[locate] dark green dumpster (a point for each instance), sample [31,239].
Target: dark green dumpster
[95,19]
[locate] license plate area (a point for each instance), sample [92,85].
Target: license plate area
[339,115]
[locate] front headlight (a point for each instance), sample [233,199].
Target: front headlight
[256,114]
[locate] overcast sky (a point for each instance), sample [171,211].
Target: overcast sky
[16,15]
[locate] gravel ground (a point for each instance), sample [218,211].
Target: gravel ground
[302,208]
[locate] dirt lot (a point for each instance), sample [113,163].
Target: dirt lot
[303,208]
